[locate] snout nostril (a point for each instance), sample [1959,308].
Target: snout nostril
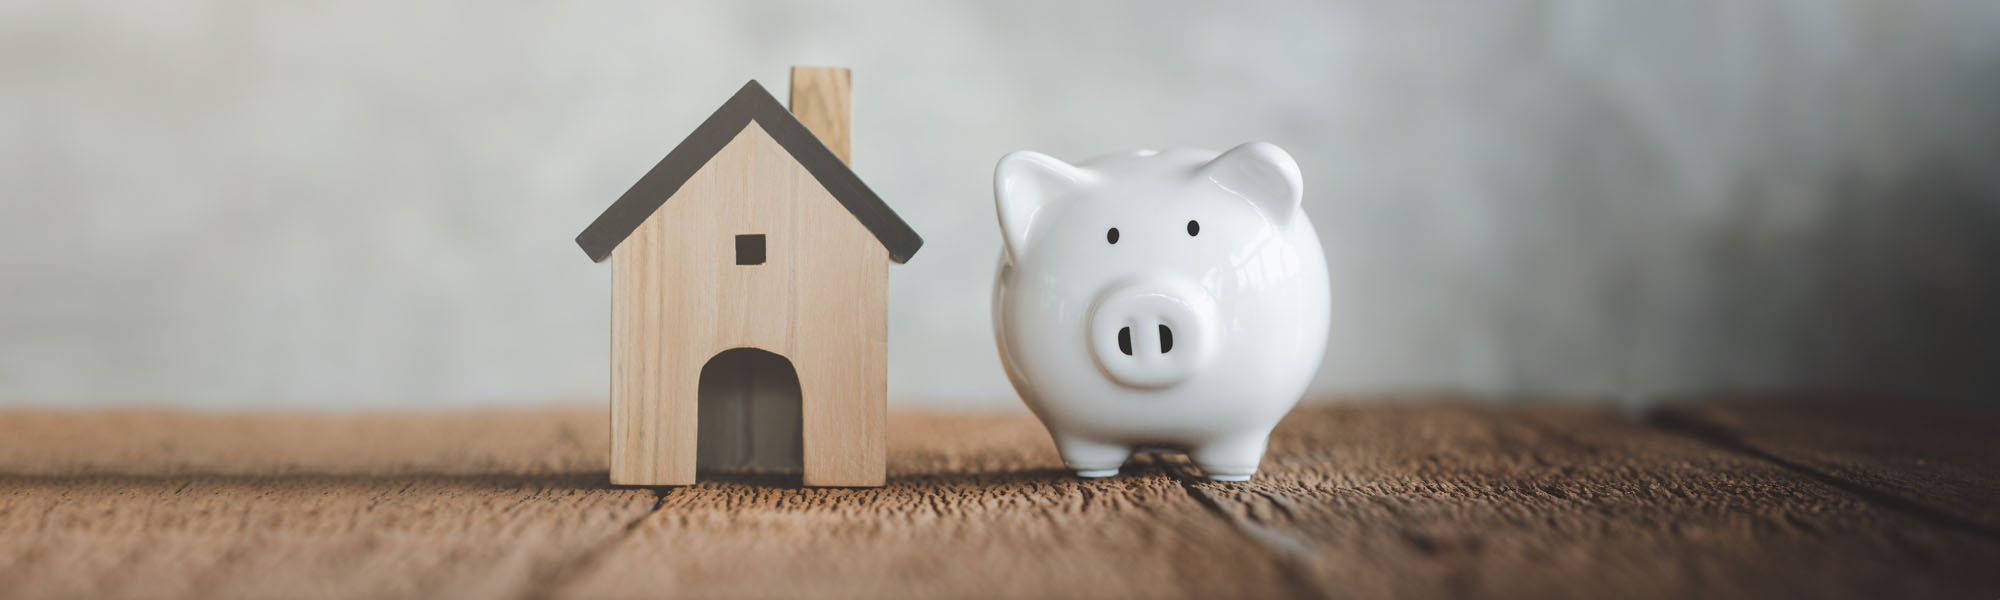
[1166,340]
[1125,340]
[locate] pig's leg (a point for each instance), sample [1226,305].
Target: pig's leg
[1091,458]
[1231,459]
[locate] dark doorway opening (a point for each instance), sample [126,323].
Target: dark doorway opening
[750,415]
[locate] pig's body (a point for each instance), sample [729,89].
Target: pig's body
[1195,337]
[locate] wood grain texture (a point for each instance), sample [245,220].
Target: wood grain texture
[1944,465]
[821,98]
[679,299]
[164,505]
[1364,501]
[1565,502]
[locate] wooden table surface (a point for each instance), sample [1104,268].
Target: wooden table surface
[1431,500]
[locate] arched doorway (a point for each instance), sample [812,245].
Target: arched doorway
[750,415]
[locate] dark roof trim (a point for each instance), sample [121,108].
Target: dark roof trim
[751,103]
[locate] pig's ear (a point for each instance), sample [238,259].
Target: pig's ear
[1023,183]
[1261,173]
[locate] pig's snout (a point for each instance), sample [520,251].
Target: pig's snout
[1151,332]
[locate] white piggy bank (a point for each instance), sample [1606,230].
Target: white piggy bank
[1172,300]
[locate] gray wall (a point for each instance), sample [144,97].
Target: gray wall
[370,203]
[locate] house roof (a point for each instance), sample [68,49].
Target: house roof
[751,103]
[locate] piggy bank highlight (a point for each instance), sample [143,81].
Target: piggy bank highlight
[1169,300]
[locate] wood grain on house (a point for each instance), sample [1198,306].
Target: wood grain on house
[822,99]
[749,304]
[820,300]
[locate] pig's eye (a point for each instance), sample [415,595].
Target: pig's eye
[1194,229]
[1111,236]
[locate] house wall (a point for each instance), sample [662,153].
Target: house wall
[679,298]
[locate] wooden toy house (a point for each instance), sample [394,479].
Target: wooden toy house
[749,298]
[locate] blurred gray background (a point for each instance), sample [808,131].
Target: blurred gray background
[370,203]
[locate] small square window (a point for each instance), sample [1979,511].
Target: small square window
[750,249]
